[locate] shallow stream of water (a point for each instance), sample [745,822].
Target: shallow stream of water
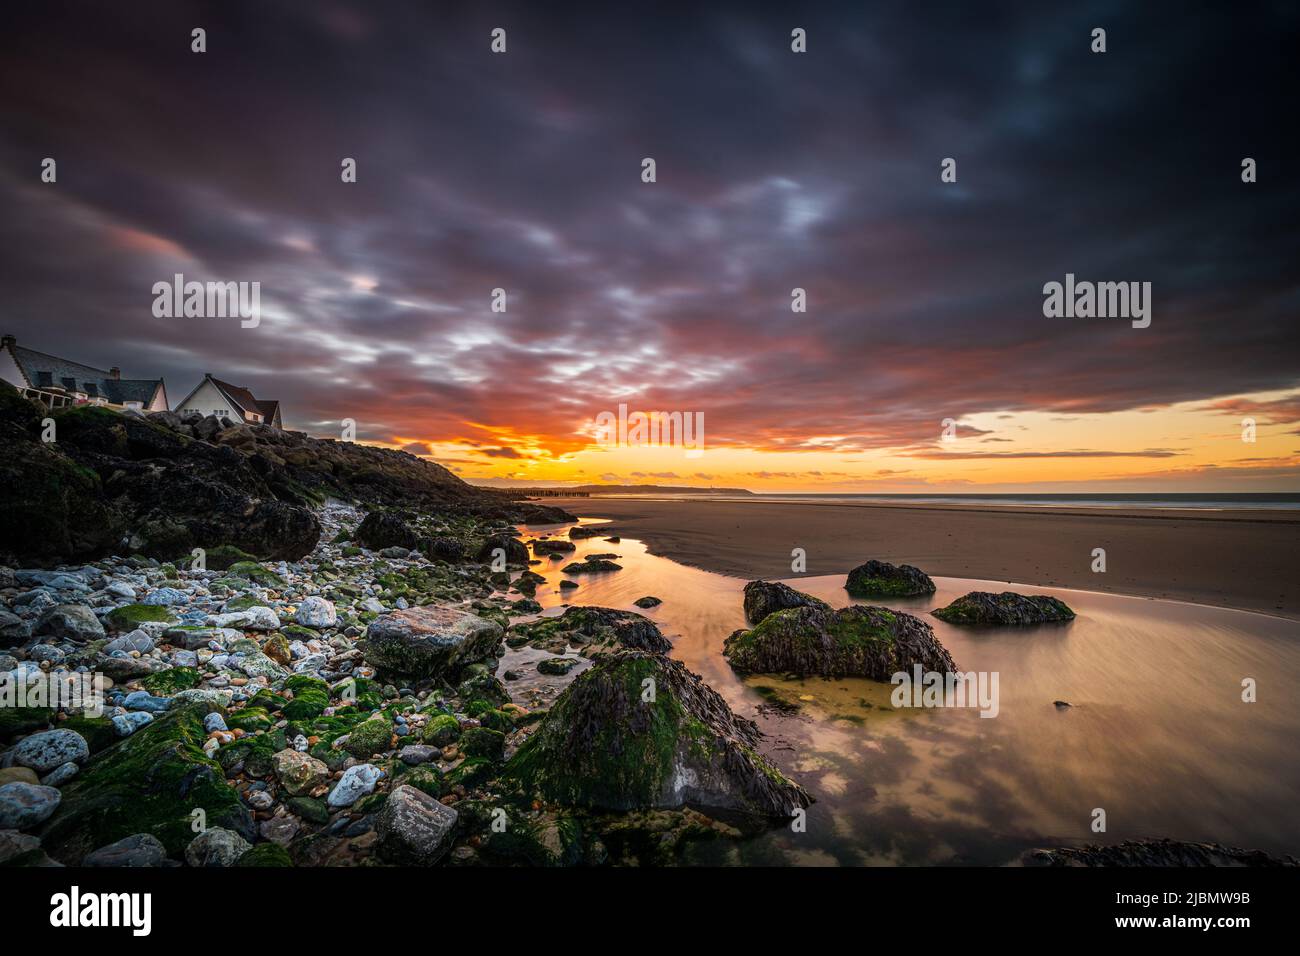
[1157,734]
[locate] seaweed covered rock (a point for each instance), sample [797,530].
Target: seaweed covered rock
[1154,853]
[858,641]
[544,546]
[638,731]
[593,631]
[592,565]
[985,609]
[152,782]
[429,641]
[767,597]
[882,579]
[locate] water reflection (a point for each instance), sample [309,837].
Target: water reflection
[1157,733]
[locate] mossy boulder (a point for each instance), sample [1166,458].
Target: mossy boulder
[427,779]
[171,681]
[311,696]
[152,782]
[130,616]
[497,720]
[858,641]
[252,571]
[639,730]
[882,579]
[1008,609]
[250,720]
[441,730]
[371,736]
[483,742]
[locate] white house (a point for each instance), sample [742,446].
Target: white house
[215,397]
[61,382]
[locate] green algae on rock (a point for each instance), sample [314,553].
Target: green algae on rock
[985,609]
[152,782]
[639,730]
[882,579]
[858,641]
[130,616]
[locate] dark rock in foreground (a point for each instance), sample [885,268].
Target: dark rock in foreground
[1154,853]
[985,609]
[638,731]
[767,597]
[429,641]
[881,579]
[414,828]
[857,641]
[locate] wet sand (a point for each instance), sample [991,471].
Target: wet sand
[1235,559]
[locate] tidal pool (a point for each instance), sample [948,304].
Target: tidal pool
[1157,734]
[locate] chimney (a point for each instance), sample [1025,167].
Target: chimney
[8,342]
[115,373]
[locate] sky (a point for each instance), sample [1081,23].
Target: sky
[775,170]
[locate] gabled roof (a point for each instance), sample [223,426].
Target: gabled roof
[238,396]
[41,369]
[241,398]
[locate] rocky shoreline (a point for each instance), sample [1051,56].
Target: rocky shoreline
[352,705]
[345,709]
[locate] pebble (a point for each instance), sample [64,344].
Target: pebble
[25,805]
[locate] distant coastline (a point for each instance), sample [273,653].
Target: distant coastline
[1197,501]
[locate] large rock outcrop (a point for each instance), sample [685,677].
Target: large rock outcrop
[163,484]
[639,731]
[859,641]
[985,609]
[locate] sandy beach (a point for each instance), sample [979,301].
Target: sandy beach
[1236,559]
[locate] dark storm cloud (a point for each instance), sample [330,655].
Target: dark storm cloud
[775,171]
